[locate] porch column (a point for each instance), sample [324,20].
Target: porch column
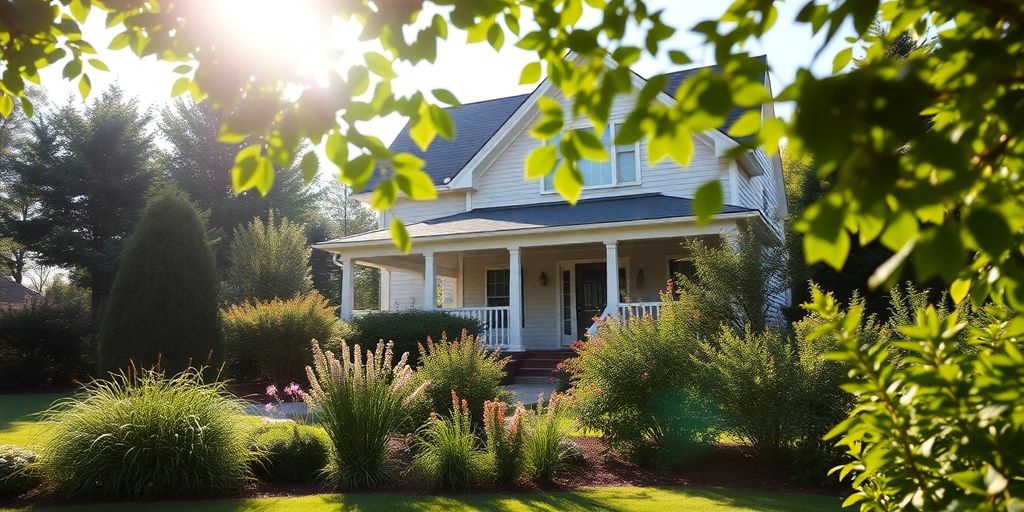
[347,289]
[515,301]
[612,276]
[429,282]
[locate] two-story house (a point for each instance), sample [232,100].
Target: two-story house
[533,269]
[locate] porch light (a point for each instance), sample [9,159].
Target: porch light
[543,279]
[640,277]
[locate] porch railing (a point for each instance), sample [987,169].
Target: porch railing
[493,319]
[639,309]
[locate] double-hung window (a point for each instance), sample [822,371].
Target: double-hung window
[620,168]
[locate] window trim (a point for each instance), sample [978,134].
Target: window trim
[487,270]
[613,160]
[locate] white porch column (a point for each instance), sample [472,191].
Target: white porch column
[429,282]
[515,301]
[347,289]
[612,279]
[385,290]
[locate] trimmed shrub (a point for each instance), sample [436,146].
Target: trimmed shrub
[16,475]
[449,455]
[44,345]
[291,452]
[465,366]
[361,403]
[409,328]
[269,260]
[755,381]
[269,340]
[504,440]
[143,435]
[636,382]
[547,447]
[163,306]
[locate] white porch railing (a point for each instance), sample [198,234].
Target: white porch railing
[493,319]
[641,309]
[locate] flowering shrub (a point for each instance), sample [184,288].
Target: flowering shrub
[291,452]
[15,473]
[360,403]
[269,340]
[144,435]
[292,393]
[504,440]
[465,366]
[449,456]
[635,381]
[548,449]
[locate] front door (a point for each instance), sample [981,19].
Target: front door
[591,294]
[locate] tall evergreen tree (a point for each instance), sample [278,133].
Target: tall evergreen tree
[88,170]
[200,165]
[269,260]
[163,307]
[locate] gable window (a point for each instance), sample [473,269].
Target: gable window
[619,169]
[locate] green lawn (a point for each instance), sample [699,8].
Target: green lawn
[18,425]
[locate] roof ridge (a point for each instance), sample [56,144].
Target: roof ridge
[477,102]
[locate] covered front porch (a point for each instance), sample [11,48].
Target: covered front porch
[531,287]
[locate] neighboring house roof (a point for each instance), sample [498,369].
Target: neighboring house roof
[476,123]
[14,293]
[548,215]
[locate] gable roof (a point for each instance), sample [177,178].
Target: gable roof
[14,293]
[475,124]
[557,214]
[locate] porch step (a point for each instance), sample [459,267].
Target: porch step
[536,366]
[532,380]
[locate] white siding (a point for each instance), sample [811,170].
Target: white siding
[410,212]
[406,290]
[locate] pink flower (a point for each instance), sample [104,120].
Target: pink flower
[293,389]
[271,390]
[268,407]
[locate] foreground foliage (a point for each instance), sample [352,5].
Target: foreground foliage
[449,455]
[291,452]
[16,475]
[144,435]
[361,403]
[504,434]
[464,366]
[548,451]
[409,328]
[268,341]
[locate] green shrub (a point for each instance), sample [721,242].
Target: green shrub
[144,435]
[269,260]
[269,340]
[465,366]
[407,329]
[16,475]
[449,455]
[44,345]
[547,447]
[755,381]
[291,452]
[505,435]
[361,404]
[636,382]
[163,305]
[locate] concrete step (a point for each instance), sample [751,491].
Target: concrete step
[534,372]
[531,380]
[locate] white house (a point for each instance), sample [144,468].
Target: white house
[534,269]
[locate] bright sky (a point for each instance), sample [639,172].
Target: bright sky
[472,72]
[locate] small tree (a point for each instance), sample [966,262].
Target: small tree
[163,306]
[269,260]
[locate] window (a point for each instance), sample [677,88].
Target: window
[678,268]
[567,305]
[497,287]
[619,169]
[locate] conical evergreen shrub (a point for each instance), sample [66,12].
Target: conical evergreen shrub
[163,306]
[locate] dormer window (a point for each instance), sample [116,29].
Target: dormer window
[621,168]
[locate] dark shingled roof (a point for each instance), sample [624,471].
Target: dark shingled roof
[548,215]
[476,123]
[14,293]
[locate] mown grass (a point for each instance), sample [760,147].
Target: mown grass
[609,499]
[19,420]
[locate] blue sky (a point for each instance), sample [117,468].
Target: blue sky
[472,72]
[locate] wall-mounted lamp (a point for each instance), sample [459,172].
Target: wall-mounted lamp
[543,279]
[640,277]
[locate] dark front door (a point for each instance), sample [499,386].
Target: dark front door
[591,294]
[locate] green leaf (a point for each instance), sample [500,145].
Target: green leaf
[842,59]
[400,236]
[824,237]
[6,105]
[708,200]
[679,58]
[541,161]
[181,86]
[411,179]
[310,166]
[530,74]
[442,122]
[384,195]
[747,124]
[899,230]
[245,167]
[84,86]
[336,149]
[72,69]
[959,289]
[26,106]
[589,146]
[80,10]
[264,176]
[379,65]
[889,269]
[568,182]
[496,36]
[98,64]
[357,172]
[940,251]
[445,96]
[989,230]
[119,41]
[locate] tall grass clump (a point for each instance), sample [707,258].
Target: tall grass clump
[547,448]
[141,434]
[449,456]
[465,366]
[504,440]
[361,404]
